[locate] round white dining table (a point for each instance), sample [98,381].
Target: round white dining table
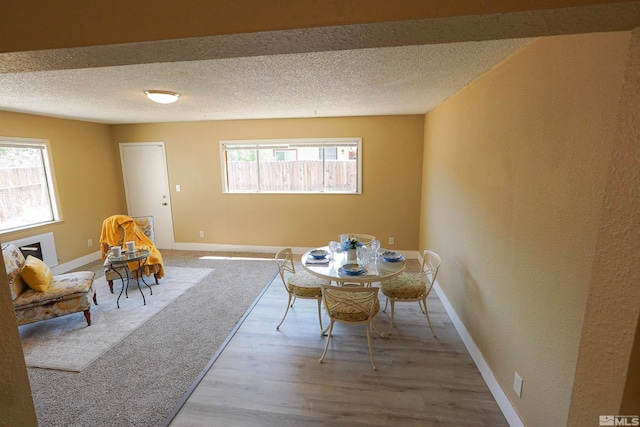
[376,271]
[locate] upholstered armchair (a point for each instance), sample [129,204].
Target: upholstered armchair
[119,229]
[39,295]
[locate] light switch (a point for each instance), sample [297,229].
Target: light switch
[177,188]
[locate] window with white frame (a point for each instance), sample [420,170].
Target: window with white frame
[331,165]
[26,184]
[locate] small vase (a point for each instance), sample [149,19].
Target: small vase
[352,255]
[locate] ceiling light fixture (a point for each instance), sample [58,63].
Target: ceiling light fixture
[162,96]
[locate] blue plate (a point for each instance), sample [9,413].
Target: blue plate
[318,253]
[351,269]
[391,256]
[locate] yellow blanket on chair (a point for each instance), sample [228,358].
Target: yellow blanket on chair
[111,236]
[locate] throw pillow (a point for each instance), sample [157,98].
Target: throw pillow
[36,273]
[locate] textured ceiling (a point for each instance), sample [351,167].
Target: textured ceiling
[373,81]
[376,68]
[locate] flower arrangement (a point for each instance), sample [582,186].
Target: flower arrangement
[351,243]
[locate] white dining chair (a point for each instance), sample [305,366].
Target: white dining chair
[366,239]
[354,306]
[413,287]
[298,285]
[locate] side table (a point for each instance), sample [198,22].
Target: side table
[139,257]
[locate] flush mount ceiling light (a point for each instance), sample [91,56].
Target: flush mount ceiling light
[162,96]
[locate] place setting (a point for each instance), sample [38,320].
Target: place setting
[352,269]
[318,257]
[391,256]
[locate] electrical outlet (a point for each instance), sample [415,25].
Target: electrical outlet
[517,385]
[89,242]
[392,240]
[201,233]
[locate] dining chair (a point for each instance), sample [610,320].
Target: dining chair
[298,285]
[354,306]
[366,239]
[413,287]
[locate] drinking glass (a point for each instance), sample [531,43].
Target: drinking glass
[333,247]
[343,237]
[361,253]
[375,245]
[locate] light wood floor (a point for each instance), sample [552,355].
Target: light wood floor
[266,377]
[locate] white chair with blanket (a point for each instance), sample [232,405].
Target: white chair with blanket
[116,231]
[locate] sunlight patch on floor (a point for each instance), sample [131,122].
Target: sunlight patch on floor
[232,258]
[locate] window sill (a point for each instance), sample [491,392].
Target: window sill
[29,227]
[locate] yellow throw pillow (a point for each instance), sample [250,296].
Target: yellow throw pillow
[36,273]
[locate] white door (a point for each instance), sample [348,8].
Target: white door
[146,186]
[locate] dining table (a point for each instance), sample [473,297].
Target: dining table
[331,267]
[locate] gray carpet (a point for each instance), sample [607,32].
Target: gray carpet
[140,380]
[61,343]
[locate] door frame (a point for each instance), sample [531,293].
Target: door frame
[121,146]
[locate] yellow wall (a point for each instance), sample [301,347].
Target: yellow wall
[88,176]
[88,182]
[631,399]
[515,175]
[387,207]
[607,355]
[16,403]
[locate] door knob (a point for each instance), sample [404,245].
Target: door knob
[164,204]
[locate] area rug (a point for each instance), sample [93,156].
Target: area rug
[67,343]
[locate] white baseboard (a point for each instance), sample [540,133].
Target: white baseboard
[255,249]
[215,247]
[78,262]
[505,405]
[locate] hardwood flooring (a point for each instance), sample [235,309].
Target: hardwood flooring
[266,377]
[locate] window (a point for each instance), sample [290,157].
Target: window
[292,166]
[26,184]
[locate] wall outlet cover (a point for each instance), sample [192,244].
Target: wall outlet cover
[517,384]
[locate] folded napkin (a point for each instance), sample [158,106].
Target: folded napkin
[311,260]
